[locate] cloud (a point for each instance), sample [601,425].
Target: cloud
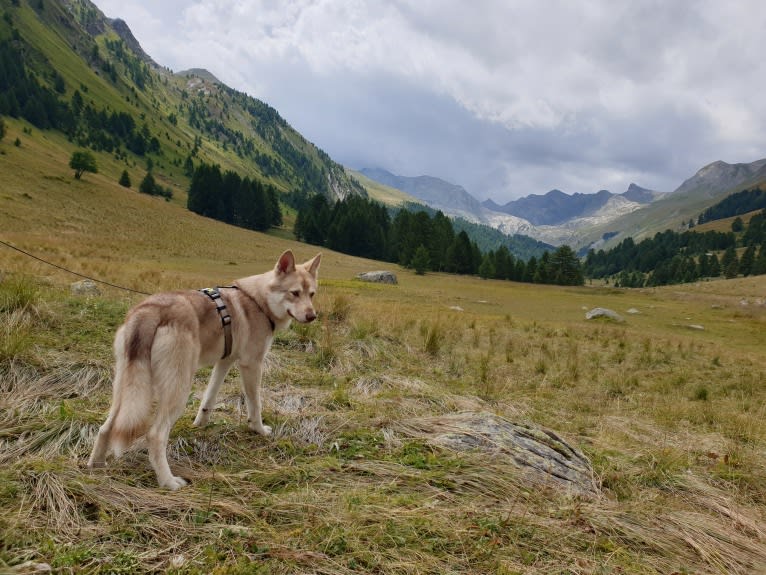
[504,98]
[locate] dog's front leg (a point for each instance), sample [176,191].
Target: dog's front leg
[251,384]
[220,369]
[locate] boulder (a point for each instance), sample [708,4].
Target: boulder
[598,312]
[541,455]
[85,287]
[380,277]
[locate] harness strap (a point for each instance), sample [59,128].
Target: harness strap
[215,296]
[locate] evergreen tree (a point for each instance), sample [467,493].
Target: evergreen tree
[759,266]
[541,275]
[715,266]
[730,263]
[747,261]
[487,267]
[564,267]
[148,185]
[737,225]
[420,260]
[125,179]
[460,255]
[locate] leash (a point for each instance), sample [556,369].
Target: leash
[213,293]
[6,244]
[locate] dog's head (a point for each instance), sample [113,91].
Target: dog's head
[294,287]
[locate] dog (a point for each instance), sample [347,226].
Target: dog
[168,336]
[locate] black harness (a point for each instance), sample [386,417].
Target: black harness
[215,295]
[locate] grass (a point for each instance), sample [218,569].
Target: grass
[354,477]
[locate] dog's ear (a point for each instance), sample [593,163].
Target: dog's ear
[313,265]
[286,263]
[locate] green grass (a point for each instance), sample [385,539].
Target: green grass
[352,480]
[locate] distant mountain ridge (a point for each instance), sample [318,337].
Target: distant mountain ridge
[587,220]
[437,193]
[557,208]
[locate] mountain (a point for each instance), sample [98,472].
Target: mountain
[555,218]
[72,70]
[584,221]
[719,176]
[557,208]
[709,185]
[437,193]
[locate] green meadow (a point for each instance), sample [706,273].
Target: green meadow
[668,406]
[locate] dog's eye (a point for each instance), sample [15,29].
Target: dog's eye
[311,295]
[295,293]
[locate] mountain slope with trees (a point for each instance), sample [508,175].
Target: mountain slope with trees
[64,66]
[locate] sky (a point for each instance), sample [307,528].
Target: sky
[506,98]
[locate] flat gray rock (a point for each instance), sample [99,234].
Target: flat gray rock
[540,454]
[380,277]
[598,312]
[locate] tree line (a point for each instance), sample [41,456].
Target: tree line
[225,196]
[744,202]
[421,241]
[671,257]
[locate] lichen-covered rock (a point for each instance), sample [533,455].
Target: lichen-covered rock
[602,312]
[85,287]
[540,454]
[381,277]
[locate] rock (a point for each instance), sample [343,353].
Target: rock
[633,311]
[456,308]
[539,454]
[598,312]
[696,327]
[380,277]
[85,287]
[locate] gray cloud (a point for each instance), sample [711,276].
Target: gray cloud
[504,98]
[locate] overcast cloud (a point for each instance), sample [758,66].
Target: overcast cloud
[504,97]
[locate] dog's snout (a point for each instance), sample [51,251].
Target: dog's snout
[311,316]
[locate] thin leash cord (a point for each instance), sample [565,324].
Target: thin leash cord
[71,271]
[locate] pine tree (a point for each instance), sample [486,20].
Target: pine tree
[487,267]
[125,179]
[759,266]
[420,260]
[148,185]
[730,263]
[747,261]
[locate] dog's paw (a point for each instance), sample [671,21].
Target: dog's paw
[260,429]
[201,419]
[174,483]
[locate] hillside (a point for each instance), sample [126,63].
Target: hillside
[706,187]
[90,71]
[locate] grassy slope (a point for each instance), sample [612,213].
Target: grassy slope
[672,212]
[671,417]
[382,193]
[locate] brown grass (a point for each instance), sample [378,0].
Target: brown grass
[672,419]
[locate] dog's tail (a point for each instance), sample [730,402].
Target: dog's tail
[133,394]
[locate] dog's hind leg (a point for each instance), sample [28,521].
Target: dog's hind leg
[101,446]
[220,369]
[172,373]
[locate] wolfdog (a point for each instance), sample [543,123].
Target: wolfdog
[168,336]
